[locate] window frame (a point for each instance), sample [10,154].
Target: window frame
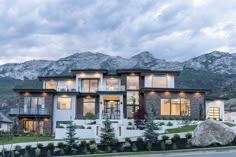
[128,82]
[89,79]
[68,97]
[155,76]
[51,81]
[214,113]
[37,102]
[89,103]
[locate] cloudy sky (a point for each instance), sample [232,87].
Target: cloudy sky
[170,29]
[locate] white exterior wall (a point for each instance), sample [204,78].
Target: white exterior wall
[5,126]
[87,75]
[170,81]
[63,115]
[230,116]
[216,103]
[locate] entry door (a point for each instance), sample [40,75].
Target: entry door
[214,113]
[33,126]
[112,109]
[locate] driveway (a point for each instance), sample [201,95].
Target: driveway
[194,154]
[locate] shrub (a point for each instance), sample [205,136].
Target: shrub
[129,123]
[83,143]
[169,124]
[90,116]
[60,145]
[139,139]
[161,123]
[164,138]
[93,147]
[127,139]
[81,127]
[37,152]
[51,146]
[28,147]
[17,148]
[129,128]
[175,138]
[89,127]
[92,141]
[188,136]
[39,145]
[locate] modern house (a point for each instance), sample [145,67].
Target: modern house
[5,123]
[114,94]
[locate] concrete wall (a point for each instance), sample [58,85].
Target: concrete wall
[153,102]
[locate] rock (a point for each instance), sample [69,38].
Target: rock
[212,132]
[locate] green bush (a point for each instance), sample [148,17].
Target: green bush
[51,146]
[188,136]
[129,123]
[164,137]
[161,123]
[83,143]
[60,145]
[90,116]
[37,152]
[127,139]
[81,127]
[92,141]
[39,145]
[175,138]
[28,147]
[17,148]
[89,127]
[139,139]
[169,124]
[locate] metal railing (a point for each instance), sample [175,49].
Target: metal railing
[112,88]
[29,111]
[111,115]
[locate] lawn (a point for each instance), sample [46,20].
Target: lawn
[189,128]
[229,124]
[21,139]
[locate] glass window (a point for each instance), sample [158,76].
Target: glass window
[26,102]
[51,84]
[159,81]
[112,83]
[132,82]
[131,109]
[64,103]
[88,105]
[165,106]
[175,107]
[34,102]
[89,85]
[133,97]
[62,124]
[214,113]
[185,107]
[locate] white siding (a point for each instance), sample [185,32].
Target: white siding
[63,115]
[170,81]
[148,81]
[216,103]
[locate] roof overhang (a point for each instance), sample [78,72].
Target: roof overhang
[35,90]
[176,73]
[212,98]
[62,77]
[127,71]
[75,71]
[174,90]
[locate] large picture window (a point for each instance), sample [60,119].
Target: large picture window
[88,105]
[175,107]
[34,103]
[64,103]
[132,103]
[89,85]
[51,84]
[159,81]
[112,84]
[132,82]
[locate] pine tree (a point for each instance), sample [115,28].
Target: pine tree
[140,117]
[107,134]
[150,135]
[71,139]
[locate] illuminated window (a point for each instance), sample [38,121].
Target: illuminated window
[112,84]
[132,82]
[214,113]
[33,103]
[64,103]
[133,97]
[131,109]
[175,107]
[159,81]
[51,84]
[89,85]
[88,105]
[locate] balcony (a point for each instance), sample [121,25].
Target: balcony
[33,112]
[114,88]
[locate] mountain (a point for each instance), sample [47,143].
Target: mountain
[215,70]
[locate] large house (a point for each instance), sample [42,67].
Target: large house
[114,94]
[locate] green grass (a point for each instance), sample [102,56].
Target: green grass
[229,124]
[21,139]
[182,129]
[219,149]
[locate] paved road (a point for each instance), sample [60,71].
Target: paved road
[195,154]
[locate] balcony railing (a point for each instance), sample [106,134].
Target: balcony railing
[111,115]
[23,111]
[115,88]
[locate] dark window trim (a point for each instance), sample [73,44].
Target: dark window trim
[64,97]
[30,107]
[82,79]
[89,102]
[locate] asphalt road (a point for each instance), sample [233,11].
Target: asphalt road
[194,154]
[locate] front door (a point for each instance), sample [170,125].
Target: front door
[33,126]
[111,109]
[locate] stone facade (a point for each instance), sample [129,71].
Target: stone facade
[153,102]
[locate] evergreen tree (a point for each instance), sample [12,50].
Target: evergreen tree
[107,134]
[150,135]
[14,129]
[140,116]
[71,139]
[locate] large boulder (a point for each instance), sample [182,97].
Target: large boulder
[212,132]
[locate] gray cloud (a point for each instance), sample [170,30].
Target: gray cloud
[172,30]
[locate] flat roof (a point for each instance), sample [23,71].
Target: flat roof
[132,70]
[216,98]
[161,72]
[89,70]
[41,78]
[175,90]
[23,90]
